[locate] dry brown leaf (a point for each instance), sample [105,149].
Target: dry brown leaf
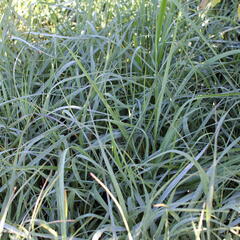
[203,4]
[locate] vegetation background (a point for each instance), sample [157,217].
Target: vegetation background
[119,119]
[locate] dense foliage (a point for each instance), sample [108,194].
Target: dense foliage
[119,120]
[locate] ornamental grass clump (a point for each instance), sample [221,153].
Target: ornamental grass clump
[119,120]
